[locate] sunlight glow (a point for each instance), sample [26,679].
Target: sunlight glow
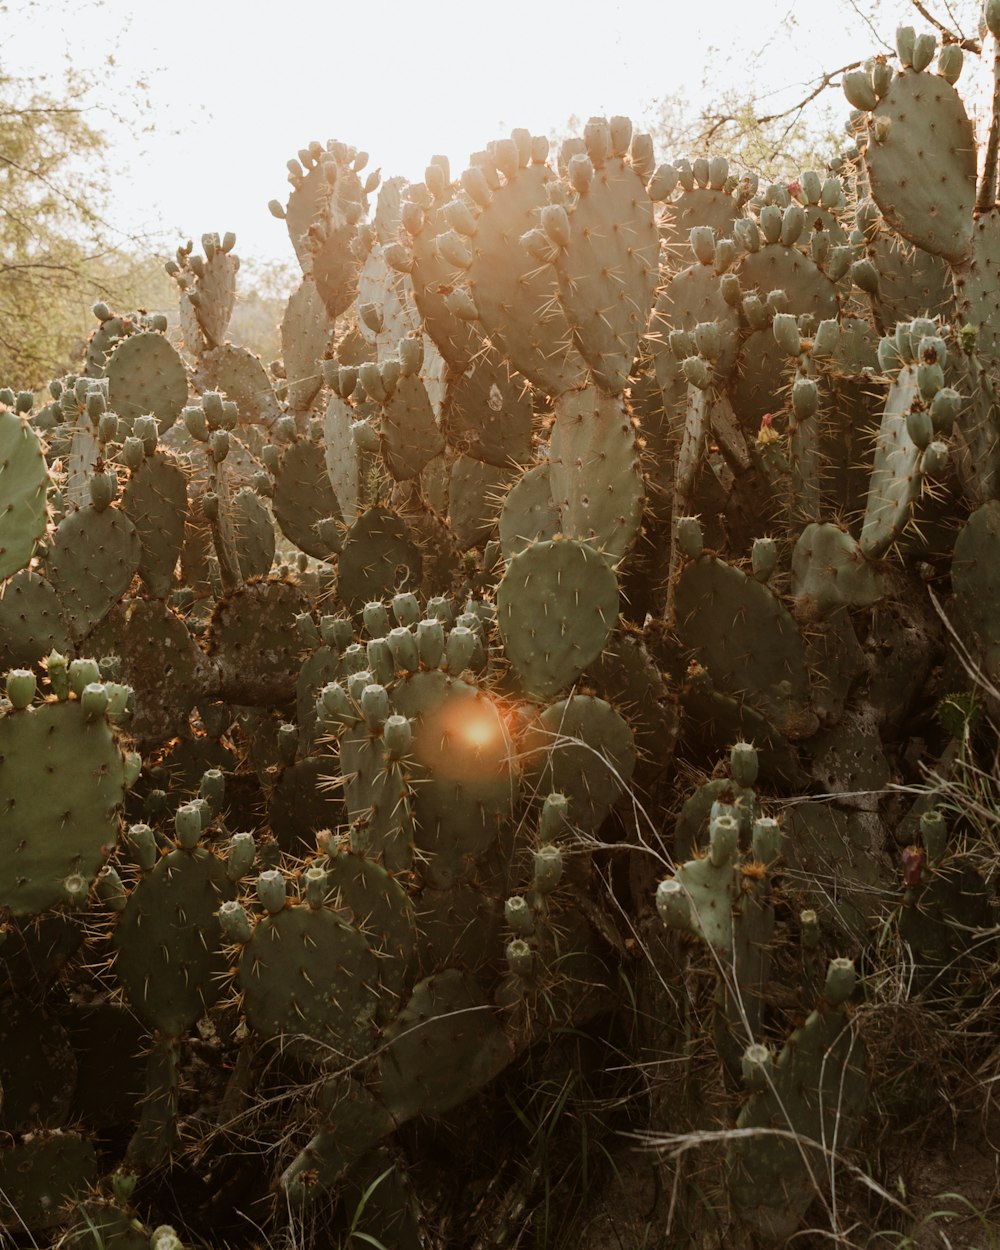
[211,150]
[466,740]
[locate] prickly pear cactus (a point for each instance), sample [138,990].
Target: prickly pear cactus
[436,639]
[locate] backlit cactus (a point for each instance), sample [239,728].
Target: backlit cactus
[566,469]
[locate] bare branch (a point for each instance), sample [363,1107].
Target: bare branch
[986,197]
[826,81]
[947,35]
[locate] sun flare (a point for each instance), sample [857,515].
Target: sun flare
[466,740]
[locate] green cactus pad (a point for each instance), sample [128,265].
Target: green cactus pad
[326,202]
[976,285]
[310,979]
[777,267]
[518,299]
[895,479]
[693,297]
[460,927]
[445,1017]
[462,772]
[116,1228]
[701,206]
[922,171]
[254,643]
[474,489]
[390,294]
[379,559]
[304,503]
[410,436]
[31,623]
[528,514]
[335,269]
[146,375]
[976,583]
[834,859]
[747,640]
[321,667]
[378,798]
[253,534]
[691,830]
[37,746]
[816,1096]
[309,201]
[155,501]
[102,342]
[160,661]
[556,606]
[761,375]
[487,413]
[609,271]
[914,283]
[710,887]
[215,295]
[626,675]
[168,941]
[364,894]
[594,472]
[41,1175]
[24,479]
[304,340]
[239,375]
[829,571]
[345,459]
[91,562]
[159,1109]
[353,1121]
[582,748]
[459,341]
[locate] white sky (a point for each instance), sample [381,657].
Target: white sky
[237,88]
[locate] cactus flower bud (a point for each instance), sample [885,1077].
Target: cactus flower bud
[786,333]
[743,764]
[755,1066]
[690,539]
[271,890]
[519,915]
[187,826]
[234,922]
[673,905]
[242,852]
[841,979]
[397,736]
[763,558]
[21,687]
[142,843]
[548,868]
[934,833]
[520,958]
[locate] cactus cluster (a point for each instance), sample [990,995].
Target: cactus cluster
[338,691]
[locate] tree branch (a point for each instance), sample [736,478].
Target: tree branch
[826,81]
[947,35]
[986,197]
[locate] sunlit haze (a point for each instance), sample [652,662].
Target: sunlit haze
[236,89]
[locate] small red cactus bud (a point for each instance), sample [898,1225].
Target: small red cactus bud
[914,859]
